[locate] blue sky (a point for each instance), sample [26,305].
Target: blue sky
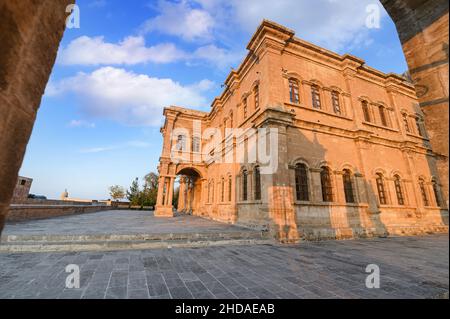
[98,123]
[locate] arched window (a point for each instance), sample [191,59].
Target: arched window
[382,111]
[222,197]
[423,191]
[365,109]
[301,182]
[381,190]
[348,187]
[293,91]
[196,144]
[315,97]
[244,185]
[230,189]
[257,175]
[399,190]
[406,122]
[335,101]
[327,188]
[212,191]
[256,96]
[231,119]
[437,196]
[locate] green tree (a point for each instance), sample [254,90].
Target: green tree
[116,192]
[150,190]
[134,193]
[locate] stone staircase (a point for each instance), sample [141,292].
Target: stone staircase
[110,242]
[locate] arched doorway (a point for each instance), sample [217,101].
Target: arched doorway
[189,197]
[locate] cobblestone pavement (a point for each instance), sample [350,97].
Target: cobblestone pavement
[117,222]
[410,268]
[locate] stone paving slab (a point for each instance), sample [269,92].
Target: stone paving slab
[118,222]
[410,267]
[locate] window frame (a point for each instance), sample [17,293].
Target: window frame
[349,191]
[326,184]
[399,190]
[244,185]
[294,91]
[336,102]
[301,182]
[366,111]
[381,189]
[315,94]
[423,192]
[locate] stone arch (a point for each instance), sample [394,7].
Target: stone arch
[188,168]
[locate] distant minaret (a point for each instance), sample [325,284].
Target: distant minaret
[64,195]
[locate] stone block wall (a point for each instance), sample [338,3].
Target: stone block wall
[30,32]
[18,213]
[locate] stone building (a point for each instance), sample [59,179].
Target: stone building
[22,189]
[353,156]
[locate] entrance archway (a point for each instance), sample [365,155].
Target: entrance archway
[190,191]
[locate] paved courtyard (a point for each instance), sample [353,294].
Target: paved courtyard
[118,222]
[410,268]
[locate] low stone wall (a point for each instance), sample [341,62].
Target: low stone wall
[19,213]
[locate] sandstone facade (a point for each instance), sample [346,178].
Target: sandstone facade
[423,31]
[353,154]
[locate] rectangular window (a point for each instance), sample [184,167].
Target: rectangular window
[365,109]
[336,102]
[293,91]
[406,123]
[244,107]
[419,127]
[256,97]
[382,115]
[315,97]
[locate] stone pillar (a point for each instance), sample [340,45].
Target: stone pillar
[164,206]
[30,32]
[316,186]
[361,194]
[423,30]
[339,195]
[159,198]
[181,195]
[170,190]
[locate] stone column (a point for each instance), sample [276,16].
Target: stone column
[159,198]
[339,195]
[170,190]
[163,209]
[423,30]
[360,188]
[30,36]
[316,186]
[181,195]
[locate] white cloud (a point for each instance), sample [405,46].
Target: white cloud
[329,23]
[219,57]
[181,19]
[132,50]
[127,97]
[81,123]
